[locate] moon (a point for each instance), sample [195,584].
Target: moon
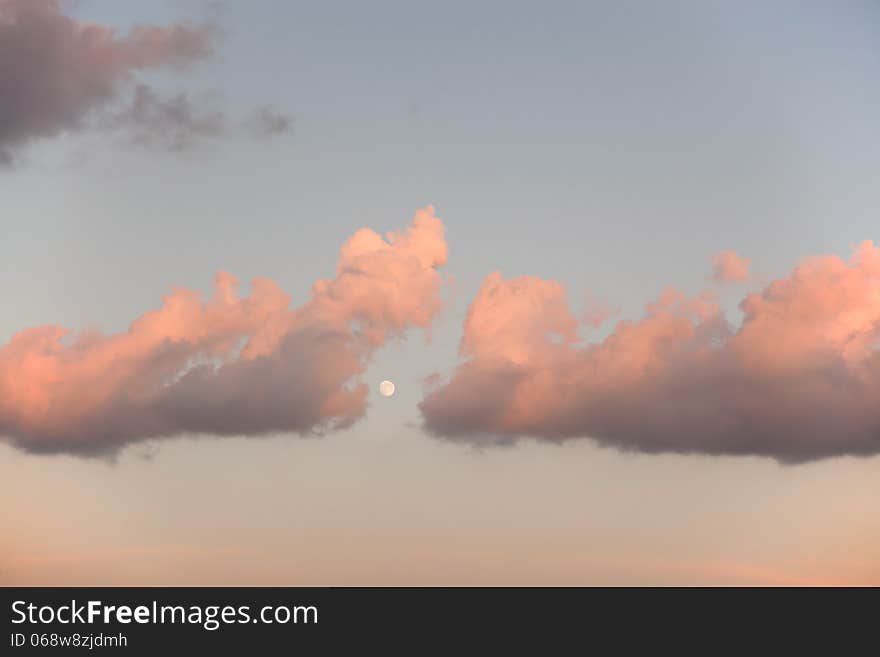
[386,388]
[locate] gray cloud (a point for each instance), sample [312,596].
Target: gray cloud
[266,122]
[56,73]
[174,122]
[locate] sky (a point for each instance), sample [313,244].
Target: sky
[615,257]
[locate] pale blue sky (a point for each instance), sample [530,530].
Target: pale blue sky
[579,141]
[612,146]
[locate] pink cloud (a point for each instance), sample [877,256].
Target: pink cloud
[798,380]
[597,311]
[226,365]
[730,267]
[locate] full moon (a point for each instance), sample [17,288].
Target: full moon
[386,388]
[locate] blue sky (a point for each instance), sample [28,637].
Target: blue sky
[612,146]
[597,136]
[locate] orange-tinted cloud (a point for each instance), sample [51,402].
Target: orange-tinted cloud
[228,365]
[799,379]
[597,311]
[730,267]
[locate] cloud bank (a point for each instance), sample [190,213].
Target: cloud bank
[226,365]
[798,380]
[56,72]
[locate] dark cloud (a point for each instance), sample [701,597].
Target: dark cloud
[174,122]
[54,70]
[57,72]
[267,122]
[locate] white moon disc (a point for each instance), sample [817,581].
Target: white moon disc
[386,388]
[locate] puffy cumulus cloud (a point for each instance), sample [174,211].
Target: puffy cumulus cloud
[798,380]
[55,72]
[226,365]
[730,267]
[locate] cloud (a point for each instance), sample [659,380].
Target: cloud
[266,122]
[177,122]
[597,311]
[57,72]
[730,267]
[227,365]
[174,122]
[798,380]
